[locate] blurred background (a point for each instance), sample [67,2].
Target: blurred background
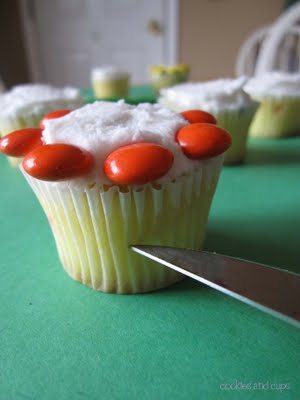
[60,41]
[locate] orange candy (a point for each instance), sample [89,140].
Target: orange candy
[56,162]
[202,140]
[138,163]
[21,142]
[52,115]
[195,116]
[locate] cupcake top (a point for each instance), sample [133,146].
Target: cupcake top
[117,143]
[274,84]
[35,98]
[102,127]
[213,96]
[108,72]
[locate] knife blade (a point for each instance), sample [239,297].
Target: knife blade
[270,289]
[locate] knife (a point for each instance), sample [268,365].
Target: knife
[270,289]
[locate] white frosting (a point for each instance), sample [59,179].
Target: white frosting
[103,127]
[274,84]
[37,98]
[108,72]
[211,96]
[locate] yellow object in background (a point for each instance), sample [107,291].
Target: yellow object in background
[163,76]
[110,82]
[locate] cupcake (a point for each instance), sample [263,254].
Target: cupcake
[109,175]
[24,106]
[225,99]
[163,76]
[279,96]
[110,82]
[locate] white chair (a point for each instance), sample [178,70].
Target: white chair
[248,53]
[274,47]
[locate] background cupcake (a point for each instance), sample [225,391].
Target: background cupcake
[279,96]
[25,105]
[110,174]
[163,76]
[110,82]
[225,99]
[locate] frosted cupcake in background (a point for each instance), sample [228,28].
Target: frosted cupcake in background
[111,174]
[225,99]
[279,96]
[24,106]
[110,82]
[163,76]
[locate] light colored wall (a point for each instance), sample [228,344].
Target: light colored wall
[212,31]
[13,63]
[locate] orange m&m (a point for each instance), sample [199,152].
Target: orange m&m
[195,116]
[202,140]
[58,161]
[21,142]
[52,115]
[138,163]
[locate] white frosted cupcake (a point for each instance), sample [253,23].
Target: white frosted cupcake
[109,175]
[110,82]
[279,96]
[225,99]
[25,105]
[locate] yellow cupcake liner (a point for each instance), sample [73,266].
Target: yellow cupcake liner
[94,226]
[162,81]
[165,76]
[276,118]
[110,88]
[237,124]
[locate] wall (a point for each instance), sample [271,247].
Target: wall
[212,31]
[13,65]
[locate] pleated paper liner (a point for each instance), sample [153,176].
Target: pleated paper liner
[237,123]
[276,118]
[93,226]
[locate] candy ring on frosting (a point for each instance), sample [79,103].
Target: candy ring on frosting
[138,163]
[201,140]
[21,142]
[195,116]
[53,115]
[57,162]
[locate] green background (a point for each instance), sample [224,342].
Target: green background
[61,340]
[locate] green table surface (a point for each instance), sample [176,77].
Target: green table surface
[137,94]
[62,340]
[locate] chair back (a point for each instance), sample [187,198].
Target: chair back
[274,47]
